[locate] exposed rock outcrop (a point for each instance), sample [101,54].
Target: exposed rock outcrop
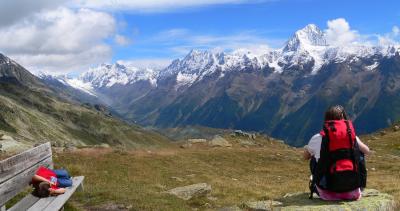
[232,208]
[371,200]
[247,143]
[218,141]
[261,205]
[9,144]
[186,145]
[196,140]
[244,134]
[191,191]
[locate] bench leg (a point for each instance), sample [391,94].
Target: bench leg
[80,187]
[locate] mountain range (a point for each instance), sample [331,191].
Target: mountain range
[281,92]
[34,112]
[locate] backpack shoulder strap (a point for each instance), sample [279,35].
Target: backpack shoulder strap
[349,133]
[322,164]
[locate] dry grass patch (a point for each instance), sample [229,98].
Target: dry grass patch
[140,178]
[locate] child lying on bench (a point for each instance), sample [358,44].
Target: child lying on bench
[47,182]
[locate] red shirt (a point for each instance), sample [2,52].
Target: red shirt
[47,174]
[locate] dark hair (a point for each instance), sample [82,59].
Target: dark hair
[41,190]
[336,112]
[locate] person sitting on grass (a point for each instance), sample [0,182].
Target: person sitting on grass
[337,160]
[47,182]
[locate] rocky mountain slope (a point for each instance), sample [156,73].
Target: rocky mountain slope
[32,112]
[282,92]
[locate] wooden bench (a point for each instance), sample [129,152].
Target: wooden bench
[16,172]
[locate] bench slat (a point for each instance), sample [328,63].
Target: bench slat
[56,203]
[12,187]
[18,163]
[25,203]
[41,204]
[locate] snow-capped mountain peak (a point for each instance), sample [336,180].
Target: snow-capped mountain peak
[306,51]
[107,75]
[194,62]
[307,45]
[310,35]
[197,59]
[68,81]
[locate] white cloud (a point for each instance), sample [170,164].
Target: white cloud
[339,33]
[181,41]
[60,40]
[15,10]
[64,63]
[154,5]
[396,30]
[62,36]
[390,38]
[122,40]
[172,34]
[231,42]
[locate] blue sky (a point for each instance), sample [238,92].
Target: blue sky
[272,22]
[73,35]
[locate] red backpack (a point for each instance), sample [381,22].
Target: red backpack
[338,168]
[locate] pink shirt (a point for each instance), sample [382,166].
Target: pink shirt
[333,196]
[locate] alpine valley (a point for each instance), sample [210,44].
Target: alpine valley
[280,92]
[32,112]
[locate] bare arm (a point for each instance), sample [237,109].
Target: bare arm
[59,191]
[42,179]
[306,154]
[39,178]
[363,147]
[312,148]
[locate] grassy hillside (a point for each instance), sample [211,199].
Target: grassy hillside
[38,118]
[138,179]
[187,132]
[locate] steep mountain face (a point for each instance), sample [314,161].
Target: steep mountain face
[11,72]
[311,35]
[34,112]
[283,92]
[119,84]
[60,85]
